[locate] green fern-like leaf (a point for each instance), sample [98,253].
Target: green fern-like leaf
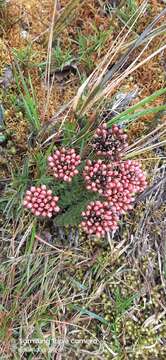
[72,214]
[73,200]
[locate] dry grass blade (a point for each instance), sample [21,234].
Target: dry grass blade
[141,39]
[97,75]
[151,189]
[95,79]
[149,135]
[104,82]
[101,83]
[105,92]
[145,149]
[143,144]
[65,17]
[46,243]
[26,234]
[49,56]
[57,26]
[152,34]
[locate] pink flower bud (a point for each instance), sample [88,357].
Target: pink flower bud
[29,206]
[32,189]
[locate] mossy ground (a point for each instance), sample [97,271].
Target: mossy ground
[74,297]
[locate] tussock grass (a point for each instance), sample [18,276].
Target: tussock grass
[28,97]
[102,82]
[65,16]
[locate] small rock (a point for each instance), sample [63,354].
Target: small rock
[1,116]
[9,144]
[3,161]
[25,25]
[3,138]
[24,34]
[12,150]
[7,78]
[114,3]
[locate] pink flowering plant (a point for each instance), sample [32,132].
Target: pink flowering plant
[92,191]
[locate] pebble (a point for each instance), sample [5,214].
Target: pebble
[1,116]
[3,161]
[12,150]
[3,138]
[7,77]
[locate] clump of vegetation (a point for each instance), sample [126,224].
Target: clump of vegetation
[117,182]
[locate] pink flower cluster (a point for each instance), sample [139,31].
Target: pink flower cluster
[102,177]
[119,182]
[97,176]
[110,142]
[131,176]
[63,163]
[41,202]
[99,218]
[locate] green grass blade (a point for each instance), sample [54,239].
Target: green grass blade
[141,103]
[28,98]
[138,114]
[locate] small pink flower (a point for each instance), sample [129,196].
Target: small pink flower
[111,143]
[63,163]
[98,218]
[41,202]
